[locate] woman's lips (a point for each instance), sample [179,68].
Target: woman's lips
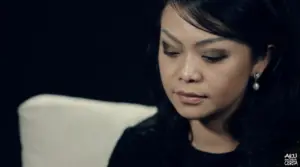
[190,97]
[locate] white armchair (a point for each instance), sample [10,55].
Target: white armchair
[61,131]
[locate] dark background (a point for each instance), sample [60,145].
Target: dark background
[91,50]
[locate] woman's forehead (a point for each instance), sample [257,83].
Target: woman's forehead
[173,23]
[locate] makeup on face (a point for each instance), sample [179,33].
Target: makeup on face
[210,55]
[189,97]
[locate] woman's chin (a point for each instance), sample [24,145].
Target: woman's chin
[192,114]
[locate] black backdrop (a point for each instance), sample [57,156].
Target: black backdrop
[91,50]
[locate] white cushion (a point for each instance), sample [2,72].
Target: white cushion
[61,131]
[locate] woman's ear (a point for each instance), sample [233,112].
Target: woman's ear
[262,63]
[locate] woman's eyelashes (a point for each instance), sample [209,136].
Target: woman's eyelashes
[214,56]
[169,50]
[210,56]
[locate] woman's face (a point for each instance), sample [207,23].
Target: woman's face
[201,73]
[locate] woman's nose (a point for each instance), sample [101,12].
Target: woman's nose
[190,70]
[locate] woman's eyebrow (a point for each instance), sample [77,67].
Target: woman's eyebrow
[199,43]
[170,36]
[209,41]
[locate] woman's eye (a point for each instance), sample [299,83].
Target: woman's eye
[214,58]
[168,50]
[171,54]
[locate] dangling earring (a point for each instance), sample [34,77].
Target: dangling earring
[256,84]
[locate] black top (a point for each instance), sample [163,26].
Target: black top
[147,148]
[197,158]
[154,143]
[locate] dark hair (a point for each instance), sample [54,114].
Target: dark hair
[266,121]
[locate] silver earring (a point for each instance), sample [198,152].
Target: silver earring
[256,84]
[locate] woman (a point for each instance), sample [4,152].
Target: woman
[230,77]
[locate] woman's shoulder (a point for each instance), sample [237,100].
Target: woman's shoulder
[147,131]
[137,144]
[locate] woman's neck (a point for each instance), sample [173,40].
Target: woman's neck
[211,138]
